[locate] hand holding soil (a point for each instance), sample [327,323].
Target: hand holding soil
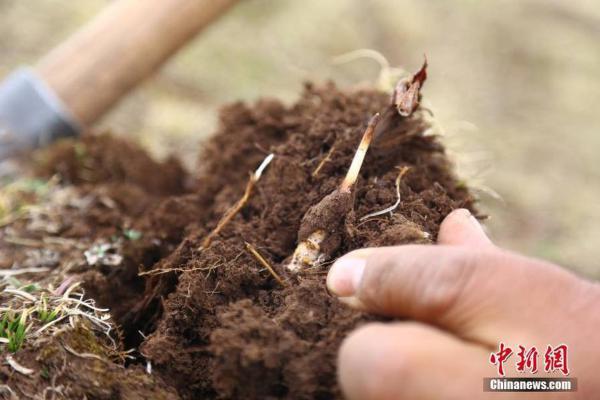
[463,297]
[215,282]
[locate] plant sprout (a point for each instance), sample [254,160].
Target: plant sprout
[132,234]
[407,93]
[319,231]
[13,329]
[44,314]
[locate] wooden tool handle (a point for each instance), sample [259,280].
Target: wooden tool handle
[129,40]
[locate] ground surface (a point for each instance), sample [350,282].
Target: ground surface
[226,318]
[524,73]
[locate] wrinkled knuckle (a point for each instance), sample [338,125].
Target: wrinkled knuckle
[377,279]
[445,287]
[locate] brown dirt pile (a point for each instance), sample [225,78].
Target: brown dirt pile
[218,324]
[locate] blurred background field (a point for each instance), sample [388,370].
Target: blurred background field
[515,84]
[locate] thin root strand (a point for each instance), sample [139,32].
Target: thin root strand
[265,263]
[324,161]
[391,208]
[230,213]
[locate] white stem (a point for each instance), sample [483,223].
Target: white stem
[262,166]
[360,154]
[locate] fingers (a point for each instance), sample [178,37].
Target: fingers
[425,283]
[460,228]
[408,360]
[475,294]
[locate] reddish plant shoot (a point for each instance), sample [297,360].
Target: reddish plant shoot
[407,93]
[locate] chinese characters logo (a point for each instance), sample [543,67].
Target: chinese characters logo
[526,360]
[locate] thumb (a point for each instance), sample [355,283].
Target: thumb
[460,228]
[473,293]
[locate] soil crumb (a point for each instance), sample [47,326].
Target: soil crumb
[213,322]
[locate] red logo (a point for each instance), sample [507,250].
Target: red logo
[500,358]
[555,359]
[527,359]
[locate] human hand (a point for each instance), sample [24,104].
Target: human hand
[460,299]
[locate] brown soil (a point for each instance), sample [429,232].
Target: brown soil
[104,158]
[218,324]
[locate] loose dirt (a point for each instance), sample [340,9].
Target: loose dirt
[213,322]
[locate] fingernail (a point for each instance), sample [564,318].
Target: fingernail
[475,222]
[468,216]
[345,275]
[464,213]
[353,302]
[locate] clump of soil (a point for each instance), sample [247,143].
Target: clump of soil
[104,158]
[215,322]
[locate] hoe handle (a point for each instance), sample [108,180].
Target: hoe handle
[124,44]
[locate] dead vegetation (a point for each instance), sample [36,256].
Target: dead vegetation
[29,312]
